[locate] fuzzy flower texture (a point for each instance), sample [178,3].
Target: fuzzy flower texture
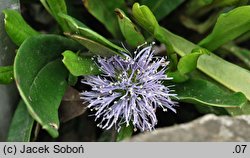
[129,90]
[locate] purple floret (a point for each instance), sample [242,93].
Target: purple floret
[129,90]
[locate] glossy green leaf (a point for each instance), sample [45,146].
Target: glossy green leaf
[41,77]
[16,27]
[162,8]
[226,73]
[78,65]
[203,92]
[21,125]
[104,12]
[130,32]
[81,30]
[6,74]
[188,62]
[54,7]
[228,27]
[125,132]
[93,46]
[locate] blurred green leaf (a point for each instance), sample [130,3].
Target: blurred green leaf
[21,125]
[203,92]
[242,53]
[80,30]
[162,8]
[16,27]
[226,73]
[104,12]
[198,8]
[130,32]
[228,27]
[125,132]
[188,62]
[194,5]
[54,7]
[41,77]
[6,74]
[78,65]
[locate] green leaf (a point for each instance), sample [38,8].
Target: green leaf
[177,76]
[145,17]
[130,32]
[162,8]
[72,80]
[93,46]
[195,5]
[54,7]
[21,125]
[188,62]
[78,65]
[202,92]
[6,74]
[125,132]
[226,73]
[104,12]
[81,30]
[242,53]
[16,27]
[228,27]
[40,76]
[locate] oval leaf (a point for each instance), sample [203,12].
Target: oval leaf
[21,125]
[78,65]
[40,77]
[228,27]
[16,27]
[6,74]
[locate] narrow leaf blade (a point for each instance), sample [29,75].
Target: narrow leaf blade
[162,8]
[17,28]
[54,7]
[130,32]
[104,12]
[93,46]
[21,125]
[81,30]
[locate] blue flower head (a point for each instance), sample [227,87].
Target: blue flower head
[129,90]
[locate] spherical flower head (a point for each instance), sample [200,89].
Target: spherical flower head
[129,90]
